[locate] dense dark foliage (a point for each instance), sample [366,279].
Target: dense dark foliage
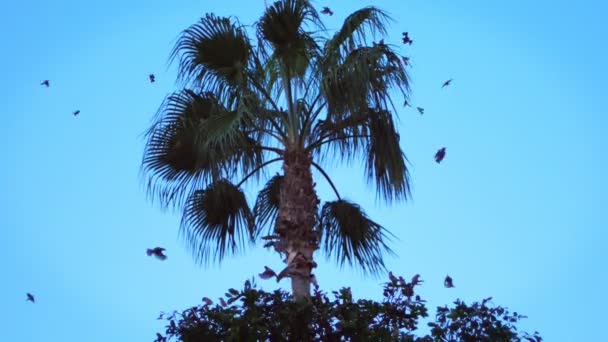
[255,315]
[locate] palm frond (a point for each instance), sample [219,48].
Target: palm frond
[353,32]
[213,54]
[283,28]
[371,134]
[267,204]
[180,154]
[364,80]
[350,237]
[217,221]
[386,164]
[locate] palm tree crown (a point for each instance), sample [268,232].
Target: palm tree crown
[293,95]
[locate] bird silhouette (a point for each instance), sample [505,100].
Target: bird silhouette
[416,280]
[157,252]
[207,301]
[327,10]
[268,273]
[406,60]
[76,112]
[30,298]
[152,78]
[45,83]
[420,110]
[406,38]
[392,277]
[446,83]
[448,282]
[440,155]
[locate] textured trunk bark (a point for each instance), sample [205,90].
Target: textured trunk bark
[296,220]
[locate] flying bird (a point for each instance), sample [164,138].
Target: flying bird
[152,78]
[448,282]
[157,252]
[420,110]
[406,60]
[327,10]
[30,298]
[406,38]
[76,112]
[440,155]
[45,83]
[268,273]
[446,83]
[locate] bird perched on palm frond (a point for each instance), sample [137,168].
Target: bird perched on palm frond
[76,112]
[448,282]
[406,38]
[30,298]
[446,83]
[152,78]
[45,83]
[157,252]
[327,10]
[420,110]
[440,155]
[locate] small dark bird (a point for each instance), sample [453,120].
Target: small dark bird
[406,38]
[446,83]
[268,273]
[392,277]
[76,112]
[207,301]
[440,155]
[30,298]
[420,110]
[157,252]
[45,83]
[406,60]
[152,78]
[327,10]
[448,282]
[416,280]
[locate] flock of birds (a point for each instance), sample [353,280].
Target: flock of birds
[159,252]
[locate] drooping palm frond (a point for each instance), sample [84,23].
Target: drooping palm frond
[350,237]
[213,54]
[217,221]
[184,151]
[372,135]
[354,30]
[267,204]
[363,80]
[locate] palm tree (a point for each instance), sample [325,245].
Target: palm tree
[297,97]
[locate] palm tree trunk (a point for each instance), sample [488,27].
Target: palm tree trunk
[296,220]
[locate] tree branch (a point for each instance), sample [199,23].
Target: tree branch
[264,164]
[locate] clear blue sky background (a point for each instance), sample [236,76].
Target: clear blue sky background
[514,212]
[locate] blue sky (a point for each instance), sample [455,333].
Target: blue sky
[513,212]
